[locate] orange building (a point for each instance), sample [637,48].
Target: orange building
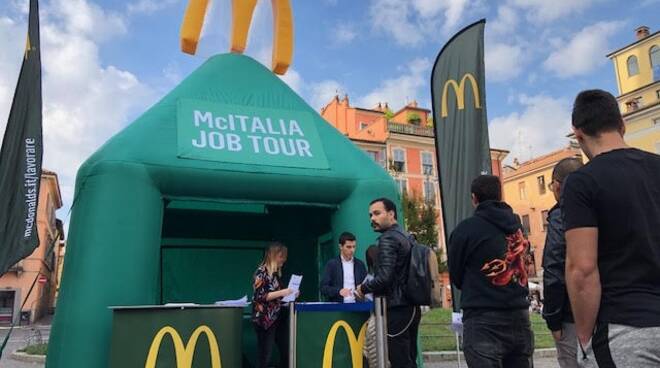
[16,282]
[526,191]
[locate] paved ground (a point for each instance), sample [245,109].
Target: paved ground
[538,363]
[19,338]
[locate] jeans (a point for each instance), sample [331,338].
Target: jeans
[402,327]
[567,346]
[267,339]
[498,338]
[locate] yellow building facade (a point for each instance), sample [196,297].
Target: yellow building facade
[637,70]
[525,189]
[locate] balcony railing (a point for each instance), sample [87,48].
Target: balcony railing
[410,129]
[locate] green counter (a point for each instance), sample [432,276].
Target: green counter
[330,334]
[196,336]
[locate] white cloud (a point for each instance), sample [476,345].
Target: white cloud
[343,34]
[80,17]
[172,73]
[84,101]
[545,11]
[506,21]
[584,52]
[412,22]
[294,80]
[393,17]
[407,86]
[539,128]
[9,65]
[503,61]
[149,6]
[322,92]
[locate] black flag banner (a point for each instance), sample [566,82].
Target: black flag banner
[20,156]
[461,126]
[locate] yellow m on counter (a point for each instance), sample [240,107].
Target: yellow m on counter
[459,90]
[354,343]
[242,11]
[184,352]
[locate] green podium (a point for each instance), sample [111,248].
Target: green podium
[181,336]
[329,334]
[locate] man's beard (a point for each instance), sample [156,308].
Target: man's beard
[378,228]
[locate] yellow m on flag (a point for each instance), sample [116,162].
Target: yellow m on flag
[459,90]
[242,11]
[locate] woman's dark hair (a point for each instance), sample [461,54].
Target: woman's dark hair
[371,255]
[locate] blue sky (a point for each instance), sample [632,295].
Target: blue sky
[107,61]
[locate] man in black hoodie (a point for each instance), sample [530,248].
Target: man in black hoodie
[487,263]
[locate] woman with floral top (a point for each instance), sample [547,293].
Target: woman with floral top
[267,302]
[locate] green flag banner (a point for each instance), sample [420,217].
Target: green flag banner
[20,157]
[461,127]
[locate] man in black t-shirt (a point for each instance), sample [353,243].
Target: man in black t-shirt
[611,214]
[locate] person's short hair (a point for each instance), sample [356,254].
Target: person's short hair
[487,188]
[346,236]
[565,167]
[596,111]
[371,256]
[387,203]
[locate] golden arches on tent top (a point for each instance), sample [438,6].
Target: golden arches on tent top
[242,11]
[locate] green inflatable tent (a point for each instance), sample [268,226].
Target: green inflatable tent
[179,206]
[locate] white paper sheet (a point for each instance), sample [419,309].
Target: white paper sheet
[242,302]
[294,284]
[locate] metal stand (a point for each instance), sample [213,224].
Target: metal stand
[292,335]
[380,312]
[458,351]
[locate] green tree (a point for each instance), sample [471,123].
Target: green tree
[420,217]
[388,114]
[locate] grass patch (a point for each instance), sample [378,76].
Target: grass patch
[436,334]
[38,349]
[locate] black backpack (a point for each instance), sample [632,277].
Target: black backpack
[423,284]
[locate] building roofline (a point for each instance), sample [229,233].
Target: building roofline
[368,110]
[638,89]
[366,141]
[411,108]
[57,184]
[640,110]
[632,44]
[529,164]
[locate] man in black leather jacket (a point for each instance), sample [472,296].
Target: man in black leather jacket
[389,280]
[556,306]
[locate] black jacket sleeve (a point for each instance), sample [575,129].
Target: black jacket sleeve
[328,290]
[385,265]
[554,263]
[384,273]
[456,254]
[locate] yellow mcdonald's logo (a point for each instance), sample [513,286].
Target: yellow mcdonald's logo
[184,352]
[242,11]
[355,343]
[459,90]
